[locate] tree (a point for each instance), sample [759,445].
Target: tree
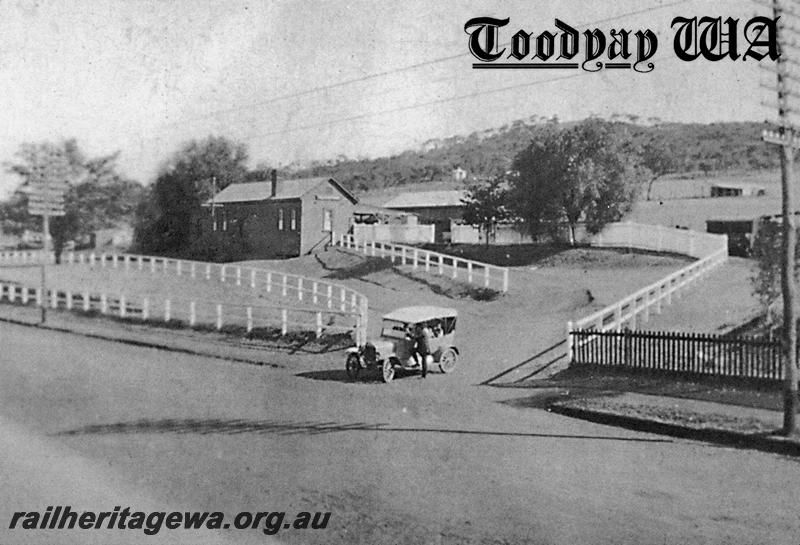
[486,204]
[659,159]
[97,195]
[188,179]
[584,172]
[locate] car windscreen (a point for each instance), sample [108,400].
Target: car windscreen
[393,330]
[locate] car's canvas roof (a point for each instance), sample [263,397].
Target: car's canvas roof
[420,313]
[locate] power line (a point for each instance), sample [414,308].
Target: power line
[384,73]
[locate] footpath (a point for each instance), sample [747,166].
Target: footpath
[740,415]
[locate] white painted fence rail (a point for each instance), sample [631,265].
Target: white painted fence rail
[193,313]
[473,272]
[305,291]
[712,249]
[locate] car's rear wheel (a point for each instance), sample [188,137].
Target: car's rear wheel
[448,360]
[387,370]
[353,366]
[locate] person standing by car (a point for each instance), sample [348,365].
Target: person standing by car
[424,335]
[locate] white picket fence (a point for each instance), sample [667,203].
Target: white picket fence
[193,313]
[473,272]
[712,249]
[306,291]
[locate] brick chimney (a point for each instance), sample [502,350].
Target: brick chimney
[274,186]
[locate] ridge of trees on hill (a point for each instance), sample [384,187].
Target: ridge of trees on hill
[664,147]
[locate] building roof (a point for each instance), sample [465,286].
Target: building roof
[286,189]
[427,199]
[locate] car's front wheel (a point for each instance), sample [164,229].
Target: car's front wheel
[353,366]
[387,370]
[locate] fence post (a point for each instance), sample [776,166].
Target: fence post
[179,267]
[167,310]
[38,296]
[300,288]
[91,259]
[269,282]
[86,301]
[222,273]
[193,270]
[505,280]
[427,262]
[81,258]
[252,278]
[238,276]
[113,261]
[208,271]
[25,295]
[145,309]
[139,262]
[284,322]
[67,295]
[152,265]
[344,298]
[319,325]
[103,303]
[12,293]
[54,299]
[485,277]
[285,284]
[314,293]
[658,299]
[391,252]
[121,306]
[455,267]
[570,344]
[330,296]
[103,260]
[192,313]
[219,316]
[354,302]
[469,272]
[249,319]
[441,264]
[416,257]
[402,255]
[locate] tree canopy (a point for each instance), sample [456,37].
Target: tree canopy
[185,181]
[583,172]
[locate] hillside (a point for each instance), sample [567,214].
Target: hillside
[715,147]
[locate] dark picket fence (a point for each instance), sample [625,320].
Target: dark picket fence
[683,353]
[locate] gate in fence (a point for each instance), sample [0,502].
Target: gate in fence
[684,353]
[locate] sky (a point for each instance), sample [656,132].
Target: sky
[142,77]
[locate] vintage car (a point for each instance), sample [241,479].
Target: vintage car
[395,348]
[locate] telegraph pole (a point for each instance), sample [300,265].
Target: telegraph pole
[785,138]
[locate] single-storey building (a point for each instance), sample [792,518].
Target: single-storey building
[733,189]
[432,207]
[278,218]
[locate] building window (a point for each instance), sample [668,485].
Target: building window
[280,219]
[293,220]
[327,220]
[224,220]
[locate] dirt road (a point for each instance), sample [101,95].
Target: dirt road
[435,461]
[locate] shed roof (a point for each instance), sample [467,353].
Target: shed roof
[428,199]
[286,189]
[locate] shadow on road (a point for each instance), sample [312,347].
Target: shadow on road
[366,375]
[232,427]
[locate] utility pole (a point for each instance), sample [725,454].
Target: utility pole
[785,138]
